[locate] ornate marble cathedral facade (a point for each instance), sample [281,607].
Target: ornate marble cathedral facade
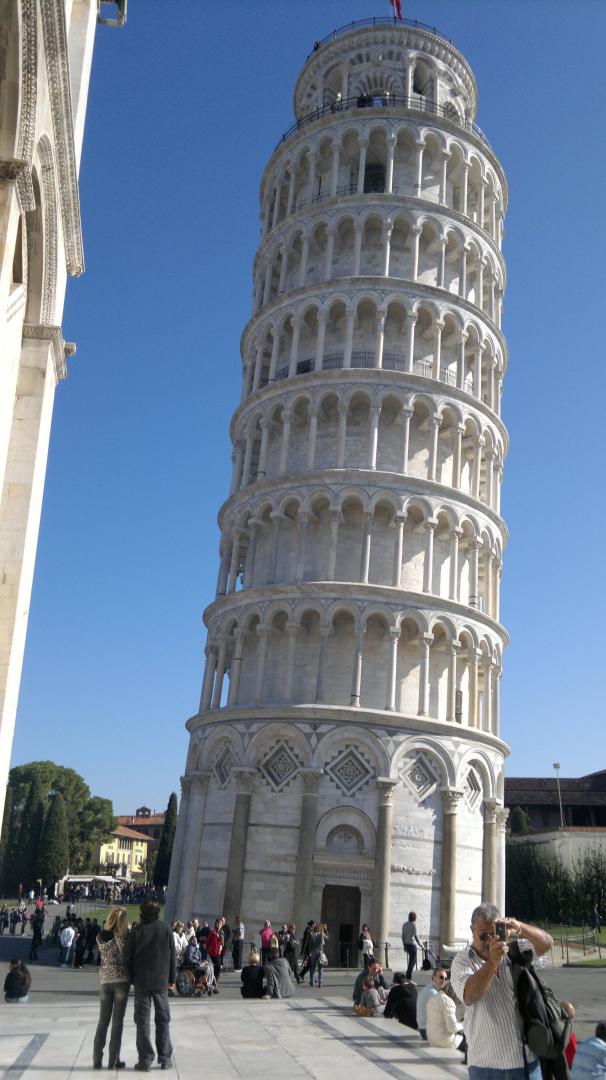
[46,51]
[346,760]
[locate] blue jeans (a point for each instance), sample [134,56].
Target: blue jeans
[476,1072]
[313,966]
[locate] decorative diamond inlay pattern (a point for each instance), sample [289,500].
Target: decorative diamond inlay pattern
[420,778]
[280,766]
[472,789]
[223,766]
[349,770]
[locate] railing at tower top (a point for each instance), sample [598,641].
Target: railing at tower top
[391,361]
[387,100]
[384,20]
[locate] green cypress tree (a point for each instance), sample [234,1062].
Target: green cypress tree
[53,857]
[30,831]
[165,849]
[10,868]
[7,822]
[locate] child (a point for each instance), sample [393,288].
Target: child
[370,996]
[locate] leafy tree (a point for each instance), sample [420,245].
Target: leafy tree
[149,866]
[165,848]
[7,843]
[53,861]
[30,831]
[520,821]
[90,819]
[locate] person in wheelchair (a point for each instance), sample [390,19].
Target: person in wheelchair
[200,970]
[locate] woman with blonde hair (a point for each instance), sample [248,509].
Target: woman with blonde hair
[113,988]
[252,977]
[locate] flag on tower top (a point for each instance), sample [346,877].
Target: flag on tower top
[397,8]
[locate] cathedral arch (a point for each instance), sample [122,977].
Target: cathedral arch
[348,819]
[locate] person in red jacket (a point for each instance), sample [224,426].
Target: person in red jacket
[214,948]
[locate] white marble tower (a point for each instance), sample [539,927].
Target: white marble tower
[346,759]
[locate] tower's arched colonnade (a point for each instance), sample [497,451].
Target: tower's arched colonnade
[346,757]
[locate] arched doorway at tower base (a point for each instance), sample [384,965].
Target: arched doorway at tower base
[341,913]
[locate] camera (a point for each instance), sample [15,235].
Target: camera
[500,930]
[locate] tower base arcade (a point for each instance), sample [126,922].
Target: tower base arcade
[343,814]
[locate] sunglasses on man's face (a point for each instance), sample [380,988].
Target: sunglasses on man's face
[442,977]
[486,935]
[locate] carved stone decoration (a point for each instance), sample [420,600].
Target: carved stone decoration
[398,869]
[420,778]
[12,168]
[223,766]
[61,348]
[451,798]
[349,770]
[490,811]
[49,207]
[57,71]
[280,766]
[502,816]
[28,78]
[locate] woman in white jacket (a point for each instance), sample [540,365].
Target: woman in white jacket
[443,1028]
[180,940]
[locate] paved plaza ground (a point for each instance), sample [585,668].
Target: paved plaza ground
[312,1035]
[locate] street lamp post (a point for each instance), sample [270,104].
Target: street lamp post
[556,766]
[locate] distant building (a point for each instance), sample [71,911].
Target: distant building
[126,852]
[583,799]
[143,821]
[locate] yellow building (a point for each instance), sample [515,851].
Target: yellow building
[126,853]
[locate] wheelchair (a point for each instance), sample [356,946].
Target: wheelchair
[191,983]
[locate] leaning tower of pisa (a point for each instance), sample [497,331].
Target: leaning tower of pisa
[345,762]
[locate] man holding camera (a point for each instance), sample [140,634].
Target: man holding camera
[481,978]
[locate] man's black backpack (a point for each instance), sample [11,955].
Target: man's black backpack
[546,1028]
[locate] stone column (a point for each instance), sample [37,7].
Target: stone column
[398,554]
[304,259]
[177,855]
[430,527]
[387,234]
[330,250]
[444,176]
[334,179]
[382,874]
[292,630]
[237,471]
[406,418]
[455,648]
[394,639]
[350,319]
[381,316]
[437,350]
[209,675]
[356,678]
[475,474]
[303,519]
[357,249]
[474,548]
[284,448]
[291,194]
[453,590]
[304,872]
[273,362]
[283,268]
[294,346]
[263,633]
[313,162]
[433,454]
[373,436]
[320,339]
[420,146]
[457,454]
[362,166]
[232,900]
[416,234]
[365,557]
[236,669]
[448,882]
[325,633]
[391,153]
[461,342]
[426,642]
[223,569]
[487,696]
[335,518]
[343,410]
[267,284]
[313,435]
[465,186]
[442,263]
[276,216]
[473,687]
[463,272]
[266,426]
[247,461]
[186,890]
[477,373]
[218,688]
[234,562]
[489,853]
[502,815]
[276,517]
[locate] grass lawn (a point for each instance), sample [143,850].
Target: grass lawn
[558,932]
[587,963]
[101,913]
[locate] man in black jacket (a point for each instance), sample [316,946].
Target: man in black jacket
[151,964]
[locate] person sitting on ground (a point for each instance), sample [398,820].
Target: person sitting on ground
[370,996]
[590,1058]
[252,977]
[277,974]
[17,983]
[443,1028]
[438,980]
[375,972]
[402,1001]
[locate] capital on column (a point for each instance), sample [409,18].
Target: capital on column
[245,778]
[386,786]
[311,780]
[451,798]
[490,811]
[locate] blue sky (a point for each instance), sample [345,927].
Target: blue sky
[186,105]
